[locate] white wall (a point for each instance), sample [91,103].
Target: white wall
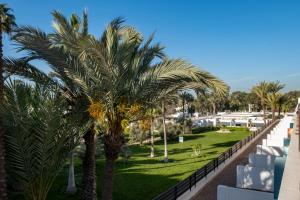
[273,142]
[254,178]
[267,150]
[261,161]
[230,193]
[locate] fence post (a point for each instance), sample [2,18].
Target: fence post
[214,164]
[205,170]
[175,192]
[190,182]
[195,178]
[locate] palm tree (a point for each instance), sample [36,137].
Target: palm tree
[152,113]
[7,22]
[49,48]
[275,86]
[261,91]
[272,100]
[37,132]
[274,97]
[287,106]
[186,97]
[282,100]
[121,80]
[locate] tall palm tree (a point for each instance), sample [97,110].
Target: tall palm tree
[261,91]
[49,48]
[121,79]
[282,100]
[273,100]
[274,97]
[7,22]
[117,75]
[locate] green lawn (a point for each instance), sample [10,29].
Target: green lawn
[144,178]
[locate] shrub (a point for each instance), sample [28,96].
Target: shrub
[197,149]
[205,129]
[125,153]
[173,130]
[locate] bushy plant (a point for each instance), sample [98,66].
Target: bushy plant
[205,129]
[125,153]
[173,130]
[197,150]
[137,135]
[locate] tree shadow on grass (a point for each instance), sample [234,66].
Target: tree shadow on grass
[127,186]
[223,144]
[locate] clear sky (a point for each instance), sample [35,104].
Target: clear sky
[240,41]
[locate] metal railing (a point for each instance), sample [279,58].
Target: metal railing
[180,188]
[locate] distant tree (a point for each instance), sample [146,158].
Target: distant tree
[282,100]
[239,101]
[185,97]
[273,96]
[273,100]
[261,90]
[292,96]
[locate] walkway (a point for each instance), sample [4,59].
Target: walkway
[228,175]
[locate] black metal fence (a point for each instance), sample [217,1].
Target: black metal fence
[174,192]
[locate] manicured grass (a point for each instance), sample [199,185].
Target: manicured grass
[143,178]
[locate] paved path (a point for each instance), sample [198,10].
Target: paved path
[228,175]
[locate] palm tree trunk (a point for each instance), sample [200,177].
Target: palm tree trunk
[183,115]
[89,174]
[264,113]
[107,185]
[214,109]
[112,147]
[273,114]
[165,132]
[3,191]
[71,189]
[152,139]
[279,111]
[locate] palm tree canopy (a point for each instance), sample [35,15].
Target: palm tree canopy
[186,96]
[275,86]
[7,19]
[273,100]
[117,69]
[38,135]
[261,91]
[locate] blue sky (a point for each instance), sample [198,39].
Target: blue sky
[240,41]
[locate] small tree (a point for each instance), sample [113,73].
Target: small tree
[38,136]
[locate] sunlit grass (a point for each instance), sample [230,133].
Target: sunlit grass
[143,177]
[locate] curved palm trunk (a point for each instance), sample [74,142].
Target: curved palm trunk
[71,189]
[165,132]
[89,173]
[112,147]
[3,189]
[152,139]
